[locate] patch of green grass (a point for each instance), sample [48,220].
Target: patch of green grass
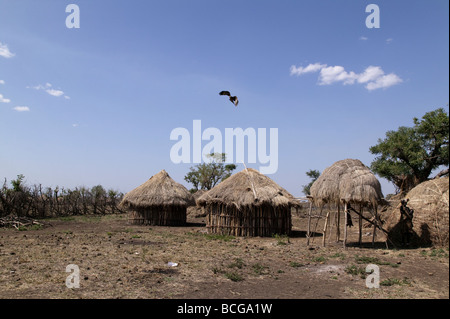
[338,255]
[135,236]
[319,259]
[356,271]
[295,264]
[238,263]
[281,239]
[259,269]
[395,281]
[440,253]
[233,276]
[32,227]
[373,260]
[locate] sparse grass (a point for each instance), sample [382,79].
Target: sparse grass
[238,263]
[373,260]
[319,259]
[234,276]
[259,269]
[135,236]
[395,281]
[225,238]
[440,253]
[338,255]
[32,227]
[356,271]
[295,264]
[281,239]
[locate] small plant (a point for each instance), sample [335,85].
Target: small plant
[233,276]
[373,260]
[259,269]
[217,270]
[356,271]
[281,239]
[238,263]
[319,259]
[135,236]
[295,264]
[338,255]
[395,281]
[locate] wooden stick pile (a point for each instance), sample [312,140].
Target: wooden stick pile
[19,222]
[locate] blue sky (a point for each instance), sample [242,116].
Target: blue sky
[96,105]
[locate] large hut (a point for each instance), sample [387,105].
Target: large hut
[159,201]
[248,203]
[430,202]
[349,183]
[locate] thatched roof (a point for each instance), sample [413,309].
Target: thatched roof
[430,201]
[248,188]
[348,181]
[159,190]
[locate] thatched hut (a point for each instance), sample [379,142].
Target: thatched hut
[159,201]
[430,201]
[347,182]
[248,203]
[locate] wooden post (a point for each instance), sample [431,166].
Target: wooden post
[325,228]
[360,224]
[338,222]
[375,227]
[345,226]
[308,234]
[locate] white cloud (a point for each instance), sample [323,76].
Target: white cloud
[47,87]
[2,81]
[388,41]
[370,74]
[363,38]
[337,73]
[75,125]
[4,51]
[54,92]
[384,81]
[4,100]
[21,108]
[373,76]
[310,68]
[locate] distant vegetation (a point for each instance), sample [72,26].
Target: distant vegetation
[35,201]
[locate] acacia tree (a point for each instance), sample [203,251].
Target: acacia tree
[314,175]
[207,175]
[408,156]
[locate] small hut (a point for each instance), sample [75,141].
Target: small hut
[347,182]
[248,203]
[430,201]
[159,201]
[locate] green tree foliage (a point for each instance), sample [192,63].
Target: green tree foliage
[408,156]
[314,175]
[207,175]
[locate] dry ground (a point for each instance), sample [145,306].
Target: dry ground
[117,260]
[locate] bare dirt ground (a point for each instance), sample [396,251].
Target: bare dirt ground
[118,260]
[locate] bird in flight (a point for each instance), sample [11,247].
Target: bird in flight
[233,99]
